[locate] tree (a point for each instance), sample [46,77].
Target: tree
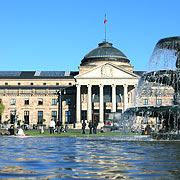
[1,108]
[41,121]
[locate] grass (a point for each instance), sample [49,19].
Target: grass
[69,133]
[73,133]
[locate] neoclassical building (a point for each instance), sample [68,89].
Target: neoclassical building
[105,83]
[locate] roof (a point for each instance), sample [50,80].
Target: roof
[139,73]
[37,74]
[104,52]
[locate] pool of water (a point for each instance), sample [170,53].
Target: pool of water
[86,157]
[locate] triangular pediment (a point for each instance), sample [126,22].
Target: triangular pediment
[106,70]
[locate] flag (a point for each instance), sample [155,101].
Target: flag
[105,21]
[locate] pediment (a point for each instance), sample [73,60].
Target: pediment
[106,70]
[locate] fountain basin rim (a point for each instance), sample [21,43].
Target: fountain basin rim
[155,110]
[169,43]
[161,76]
[169,39]
[163,72]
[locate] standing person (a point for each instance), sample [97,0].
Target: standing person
[52,126]
[95,126]
[90,127]
[148,130]
[83,127]
[66,128]
[58,125]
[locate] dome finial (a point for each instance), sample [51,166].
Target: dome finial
[105,20]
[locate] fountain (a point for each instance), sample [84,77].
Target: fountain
[164,83]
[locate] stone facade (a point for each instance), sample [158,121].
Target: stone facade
[31,99]
[105,84]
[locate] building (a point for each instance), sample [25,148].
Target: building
[105,83]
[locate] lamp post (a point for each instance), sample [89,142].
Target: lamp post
[15,116]
[60,93]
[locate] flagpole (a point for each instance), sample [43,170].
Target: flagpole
[105,32]
[105,28]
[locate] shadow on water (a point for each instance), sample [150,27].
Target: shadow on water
[87,157]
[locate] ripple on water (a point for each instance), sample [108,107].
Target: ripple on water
[88,158]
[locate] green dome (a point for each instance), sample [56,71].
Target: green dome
[104,52]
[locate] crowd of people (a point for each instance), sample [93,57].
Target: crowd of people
[11,131]
[92,125]
[57,127]
[54,127]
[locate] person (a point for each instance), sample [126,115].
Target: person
[62,129]
[102,130]
[52,126]
[20,132]
[58,125]
[90,127]
[5,133]
[148,130]
[66,128]
[83,127]
[11,130]
[41,130]
[95,126]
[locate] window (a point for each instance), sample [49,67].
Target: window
[44,84]
[145,101]
[31,84]
[57,84]
[13,101]
[40,101]
[26,117]
[68,115]
[40,117]
[54,101]
[70,84]
[6,83]
[159,101]
[26,102]
[54,115]
[68,101]
[19,84]
[12,116]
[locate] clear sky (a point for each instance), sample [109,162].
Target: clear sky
[55,35]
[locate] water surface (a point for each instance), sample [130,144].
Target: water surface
[88,158]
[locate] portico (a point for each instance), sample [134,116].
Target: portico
[98,93]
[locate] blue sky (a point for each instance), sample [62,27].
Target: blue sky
[54,35]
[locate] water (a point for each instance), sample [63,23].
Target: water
[97,157]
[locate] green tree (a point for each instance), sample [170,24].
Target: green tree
[41,121]
[1,108]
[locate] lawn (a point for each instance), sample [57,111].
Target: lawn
[69,133]
[74,133]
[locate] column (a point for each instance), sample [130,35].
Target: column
[101,104]
[78,104]
[89,103]
[125,97]
[113,109]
